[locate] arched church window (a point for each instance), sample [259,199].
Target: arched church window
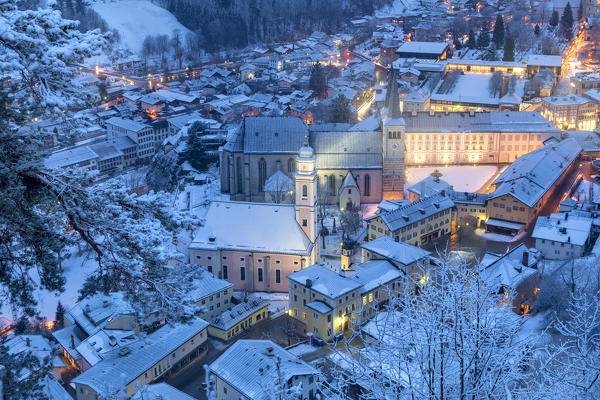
[238,174]
[367,188]
[304,191]
[291,166]
[332,184]
[262,174]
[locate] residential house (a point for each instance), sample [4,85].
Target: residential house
[251,369]
[154,356]
[562,236]
[238,319]
[141,134]
[212,294]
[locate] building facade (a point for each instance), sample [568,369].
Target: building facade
[570,112]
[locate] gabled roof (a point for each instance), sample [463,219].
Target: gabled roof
[507,270]
[414,212]
[399,252]
[238,313]
[563,228]
[251,367]
[105,376]
[273,134]
[373,274]
[206,284]
[268,228]
[349,182]
[279,182]
[324,281]
[160,391]
[102,308]
[531,175]
[347,149]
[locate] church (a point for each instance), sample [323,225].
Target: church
[376,151]
[256,246]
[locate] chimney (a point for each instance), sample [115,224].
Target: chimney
[28,341]
[525,258]
[72,341]
[471,113]
[431,113]
[87,308]
[443,192]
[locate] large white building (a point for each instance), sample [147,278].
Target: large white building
[141,134]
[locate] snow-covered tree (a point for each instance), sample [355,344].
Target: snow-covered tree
[446,335]
[22,373]
[44,213]
[570,366]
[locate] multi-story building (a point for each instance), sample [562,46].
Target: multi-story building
[141,134]
[242,316]
[123,370]
[328,302]
[250,368]
[584,81]
[256,245]
[525,187]
[417,223]
[470,208]
[562,236]
[212,294]
[570,112]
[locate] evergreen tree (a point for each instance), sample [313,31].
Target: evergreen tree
[471,42]
[195,151]
[566,22]
[491,53]
[23,326]
[554,19]
[536,30]
[102,92]
[163,172]
[18,382]
[509,48]
[341,110]
[483,40]
[498,35]
[318,82]
[59,316]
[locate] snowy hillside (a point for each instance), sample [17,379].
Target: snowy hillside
[398,7]
[135,19]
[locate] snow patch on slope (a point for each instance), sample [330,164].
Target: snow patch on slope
[136,19]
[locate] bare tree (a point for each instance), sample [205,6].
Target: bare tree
[178,50]
[351,220]
[495,84]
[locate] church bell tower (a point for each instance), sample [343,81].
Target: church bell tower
[306,191]
[393,135]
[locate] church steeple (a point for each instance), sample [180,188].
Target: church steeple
[392,99]
[306,191]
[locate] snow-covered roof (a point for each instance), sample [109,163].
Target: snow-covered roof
[142,356]
[67,158]
[347,149]
[349,182]
[160,391]
[423,47]
[391,205]
[37,345]
[152,98]
[479,122]
[399,252]
[319,306]
[175,95]
[93,348]
[238,313]
[566,100]
[533,174]
[563,228]
[268,228]
[273,134]
[414,212]
[373,274]
[206,284]
[127,124]
[63,337]
[431,185]
[279,182]
[544,60]
[93,313]
[252,366]
[324,281]
[508,270]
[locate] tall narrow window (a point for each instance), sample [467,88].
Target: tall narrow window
[238,173]
[291,166]
[367,188]
[332,184]
[260,274]
[304,191]
[277,276]
[225,274]
[242,273]
[262,174]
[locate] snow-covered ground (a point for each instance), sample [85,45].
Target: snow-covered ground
[464,178]
[76,269]
[136,19]
[301,349]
